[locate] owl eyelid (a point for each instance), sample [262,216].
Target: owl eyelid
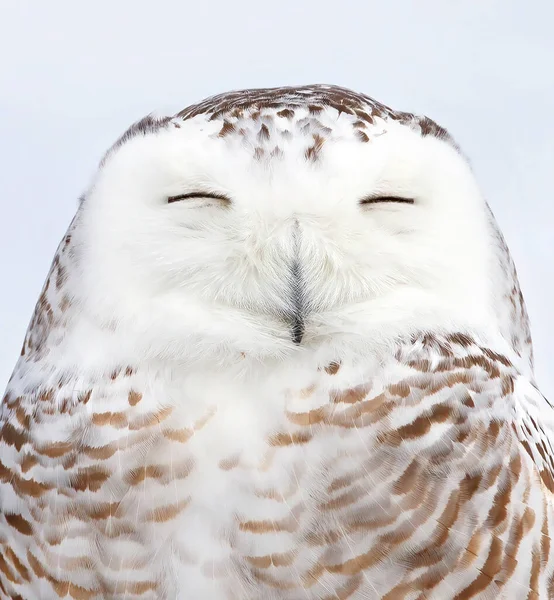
[379,199]
[192,195]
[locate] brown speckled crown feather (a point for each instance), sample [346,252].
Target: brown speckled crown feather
[231,107]
[316,98]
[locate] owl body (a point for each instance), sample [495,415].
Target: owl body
[266,363]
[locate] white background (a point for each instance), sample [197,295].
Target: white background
[74,75]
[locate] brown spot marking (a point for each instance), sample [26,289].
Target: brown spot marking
[468,486]
[401,389]
[134,397]
[150,419]
[226,464]
[162,514]
[408,479]
[528,520]
[350,396]
[344,481]
[89,478]
[429,127]
[447,519]
[515,535]
[421,364]
[12,436]
[345,499]
[288,524]
[226,129]
[551,586]
[117,420]
[461,339]
[65,303]
[493,429]
[507,384]
[363,115]
[259,153]
[84,397]
[290,439]
[28,462]
[362,561]
[496,357]
[492,476]
[467,400]
[21,486]
[473,550]
[23,418]
[317,415]
[61,276]
[62,588]
[363,137]
[547,479]
[263,134]
[4,568]
[332,368]
[487,572]
[20,567]
[138,588]
[362,413]
[499,509]
[286,113]
[312,153]
[480,361]
[314,109]
[103,511]
[273,582]
[35,565]
[178,435]
[19,523]
[55,449]
[419,427]
[100,452]
[66,588]
[283,559]
[136,476]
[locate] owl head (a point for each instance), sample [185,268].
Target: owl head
[266,222]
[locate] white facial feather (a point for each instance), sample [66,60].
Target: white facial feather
[208,274]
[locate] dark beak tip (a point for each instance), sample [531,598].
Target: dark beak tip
[297,330]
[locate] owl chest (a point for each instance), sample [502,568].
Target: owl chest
[228,478]
[241,473]
[234,453]
[234,486]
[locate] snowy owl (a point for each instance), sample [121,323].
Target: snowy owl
[281,353]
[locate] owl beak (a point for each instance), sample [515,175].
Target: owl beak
[297,313]
[297,328]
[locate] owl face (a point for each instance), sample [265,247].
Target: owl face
[270,226]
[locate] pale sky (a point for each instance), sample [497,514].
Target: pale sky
[74,75]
